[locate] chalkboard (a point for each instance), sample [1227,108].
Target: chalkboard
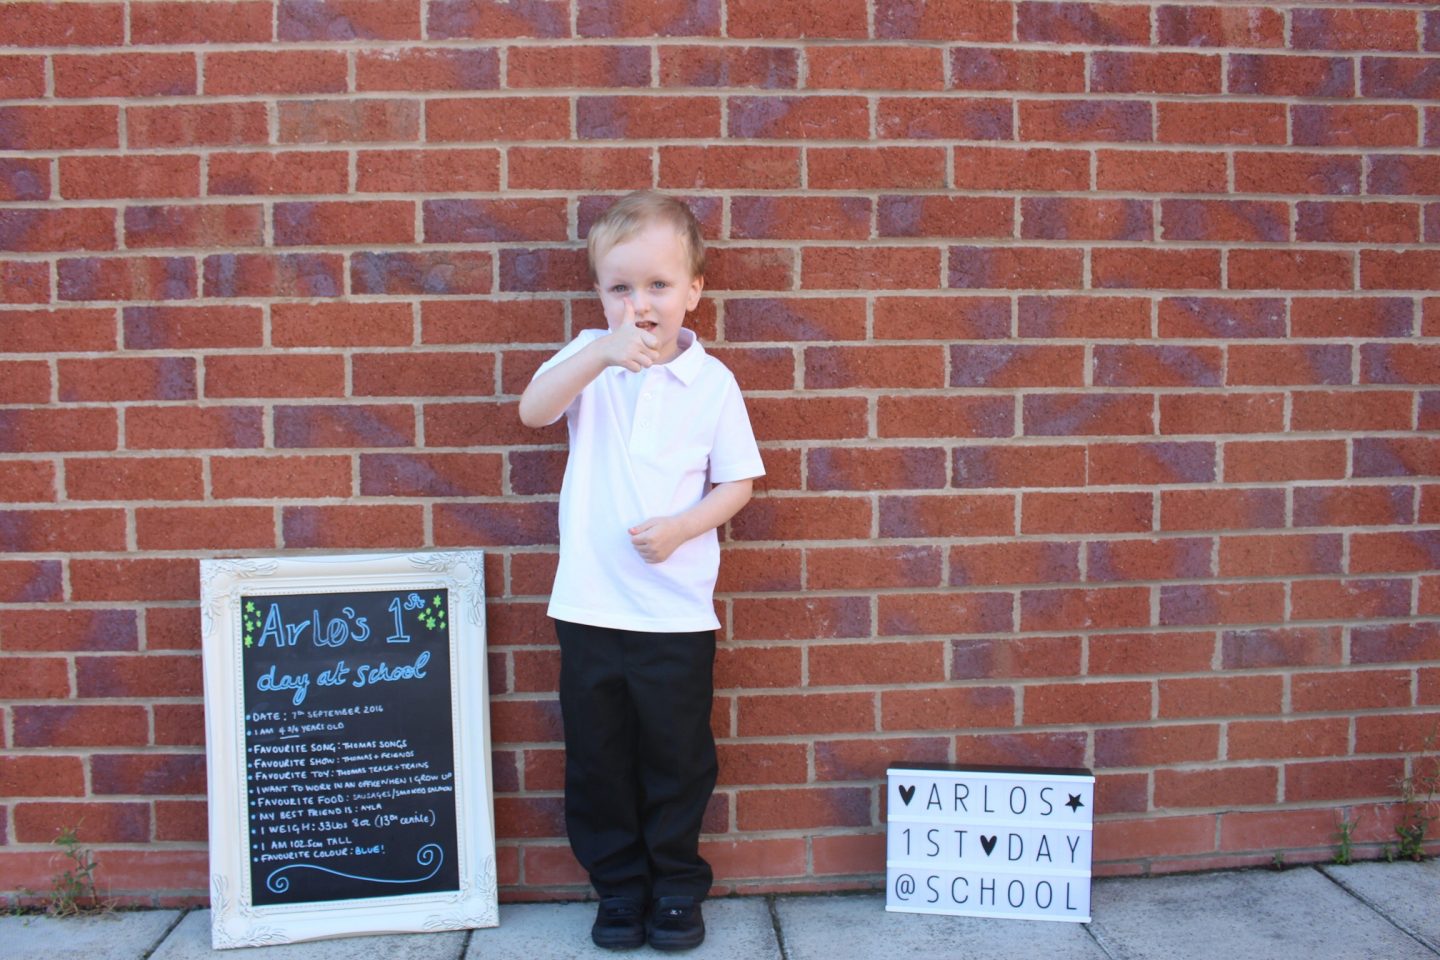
[348,746]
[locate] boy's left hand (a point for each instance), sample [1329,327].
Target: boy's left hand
[657,538]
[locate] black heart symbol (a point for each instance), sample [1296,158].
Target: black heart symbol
[988,843]
[907,794]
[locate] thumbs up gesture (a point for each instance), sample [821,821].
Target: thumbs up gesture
[630,347]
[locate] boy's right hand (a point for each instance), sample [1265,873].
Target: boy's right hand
[630,347]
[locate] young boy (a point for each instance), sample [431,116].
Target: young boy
[653,420]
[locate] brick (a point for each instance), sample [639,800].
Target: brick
[1280,647]
[27,481]
[762,368]
[814,617]
[348,121]
[749,666]
[55,630]
[430,475]
[28,531]
[805,18]
[1084,317]
[201,528]
[125,378]
[197,125]
[930,613]
[1226,123]
[1220,696]
[495,524]
[1240,220]
[964,707]
[24,282]
[1350,222]
[156,774]
[803,518]
[1137,267]
[1156,745]
[651,117]
[1358,29]
[1291,76]
[1396,456]
[1067,218]
[1399,269]
[1297,173]
[1023,561]
[1080,23]
[149,676]
[102,822]
[25,381]
[352,526]
[1157,365]
[875,68]
[274,375]
[1316,125]
[1108,121]
[630,18]
[491,19]
[762,320]
[22,78]
[134,478]
[1270,555]
[1093,414]
[1068,703]
[871,567]
[126,75]
[1223,603]
[192,428]
[1288,739]
[1400,174]
[1395,643]
[273,72]
[504,321]
[33,775]
[791,118]
[1265,461]
[873,366]
[868,759]
[868,267]
[203,226]
[1341,780]
[467,424]
[1042,748]
[808,418]
[1185,26]
[1160,171]
[319,224]
[1220,413]
[279,173]
[126,278]
[943,216]
[1414,733]
[340,20]
[485,221]
[1015,268]
[182,22]
[536,471]
[876,663]
[1109,608]
[1283,364]
[172,628]
[337,324]
[59,128]
[48,430]
[1177,73]
[1034,168]
[943,417]
[63,229]
[1153,463]
[1157,836]
[264,275]
[181,820]
[60,330]
[730,167]
[416,372]
[797,808]
[946,515]
[1150,653]
[1003,70]
[944,118]
[1170,559]
[418,171]
[977,659]
[427,273]
[1351,316]
[1349,599]
[765,68]
[1231,786]
[790,714]
[760,571]
[526,721]
[749,268]
[873,168]
[1353,506]
[533,270]
[24,178]
[1049,513]
[278,478]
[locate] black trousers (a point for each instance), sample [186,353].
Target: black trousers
[639,757]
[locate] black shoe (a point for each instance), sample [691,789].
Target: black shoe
[619,924]
[675,923]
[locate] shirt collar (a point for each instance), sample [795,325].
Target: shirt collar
[686,365]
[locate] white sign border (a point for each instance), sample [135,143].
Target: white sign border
[235,920]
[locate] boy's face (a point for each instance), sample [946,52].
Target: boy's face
[652,272]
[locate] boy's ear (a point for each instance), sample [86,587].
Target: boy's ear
[692,299]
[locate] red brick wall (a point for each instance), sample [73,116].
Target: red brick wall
[1093,348]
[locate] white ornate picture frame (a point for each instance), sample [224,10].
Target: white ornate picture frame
[333,786]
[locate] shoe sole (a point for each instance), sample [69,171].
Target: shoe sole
[630,943]
[666,946]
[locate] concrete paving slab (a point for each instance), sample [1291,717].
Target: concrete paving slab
[834,927]
[191,940]
[735,929]
[1407,893]
[1253,914]
[128,935]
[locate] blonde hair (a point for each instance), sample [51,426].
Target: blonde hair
[636,211]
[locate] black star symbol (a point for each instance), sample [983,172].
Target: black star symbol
[1074,802]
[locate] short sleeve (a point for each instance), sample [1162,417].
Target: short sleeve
[569,350]
[734,454]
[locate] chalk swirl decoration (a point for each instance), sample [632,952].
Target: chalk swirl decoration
[429,854]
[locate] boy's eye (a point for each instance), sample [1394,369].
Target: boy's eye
[619,288]
[659,284]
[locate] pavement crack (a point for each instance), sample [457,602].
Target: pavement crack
[1098,940]
[166,935]
[1378,910]
[775,925]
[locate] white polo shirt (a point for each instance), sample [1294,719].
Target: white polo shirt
[646,445]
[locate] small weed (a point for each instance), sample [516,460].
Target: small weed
[1277,862]
[73,890]
[1344,842]
[1419,807]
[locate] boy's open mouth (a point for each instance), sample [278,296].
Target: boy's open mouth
[646,324]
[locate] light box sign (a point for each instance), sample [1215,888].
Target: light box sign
[989,842]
